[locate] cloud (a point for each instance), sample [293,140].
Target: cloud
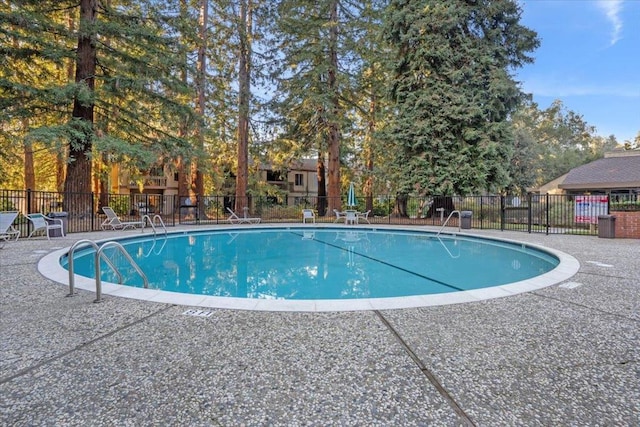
[612,9]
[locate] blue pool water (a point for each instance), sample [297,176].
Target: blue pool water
[322,263]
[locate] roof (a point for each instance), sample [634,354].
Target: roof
[618,171]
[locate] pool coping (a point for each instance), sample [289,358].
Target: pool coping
[49,266]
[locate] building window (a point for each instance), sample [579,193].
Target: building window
[274,176]
[156,171]
[299,180]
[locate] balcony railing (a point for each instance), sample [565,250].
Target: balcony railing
[151,181]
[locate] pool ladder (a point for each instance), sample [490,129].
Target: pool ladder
[99,254]
[146,219]
[448,218]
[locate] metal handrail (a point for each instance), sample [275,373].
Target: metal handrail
[96,262]
[147,218]
[70,256]
[448,218]
[127,256]
[99,254]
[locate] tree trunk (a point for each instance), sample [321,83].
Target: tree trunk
[29,171]
[335,200]
[78,179]
[368,185]
[183,176]
[444,202]
[197,185]
[322,187]
[244,86]
[400,208]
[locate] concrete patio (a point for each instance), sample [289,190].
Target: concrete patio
[568,354]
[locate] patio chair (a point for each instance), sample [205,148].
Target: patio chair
[308,214]
[7,230]
[364,216]
[113,222]
[235,219]
[351,217]
[340,216]
[43,224]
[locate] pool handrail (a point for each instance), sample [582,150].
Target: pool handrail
[448,218]
[70,256]
[127,256]
[147,219]
[96,262]
[99,254]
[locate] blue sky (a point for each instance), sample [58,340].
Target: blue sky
[589,58]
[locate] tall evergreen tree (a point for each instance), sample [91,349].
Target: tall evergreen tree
[124,99]
[452,92]
[244,97]
[78,178]
[315,79]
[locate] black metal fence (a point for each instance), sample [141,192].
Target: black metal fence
[569,214]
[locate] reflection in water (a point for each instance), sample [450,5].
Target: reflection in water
[328,263]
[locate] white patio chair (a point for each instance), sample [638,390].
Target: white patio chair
[308,214]
[7,230]
[43,224]
[113,222]
[364,216]
[351,217]
[339,215]
[235,219]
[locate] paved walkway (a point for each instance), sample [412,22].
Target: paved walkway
[568,354]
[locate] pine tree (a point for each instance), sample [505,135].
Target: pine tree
[452,92]
[317,63]
[125,101]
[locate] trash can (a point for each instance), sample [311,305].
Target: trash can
[465,219]
[607,226]
[63,216]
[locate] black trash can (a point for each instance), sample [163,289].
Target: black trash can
[465,219]
[607,226]
[64,217]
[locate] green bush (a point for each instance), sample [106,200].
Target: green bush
[120,204]
[7,205]
[625,206]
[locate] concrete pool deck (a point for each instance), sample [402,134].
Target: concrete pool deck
[567,354]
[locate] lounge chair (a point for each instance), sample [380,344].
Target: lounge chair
[308,214]
[235,219]
[7,230]
[364,216]
[43,224]
[113,222]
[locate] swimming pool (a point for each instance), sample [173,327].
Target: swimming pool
[328,268]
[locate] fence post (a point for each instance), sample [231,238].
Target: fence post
[28,200]
[502,213]
[546,214]
[529,212]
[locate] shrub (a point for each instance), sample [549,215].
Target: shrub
[625,206]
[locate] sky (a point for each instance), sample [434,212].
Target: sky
[589,58]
